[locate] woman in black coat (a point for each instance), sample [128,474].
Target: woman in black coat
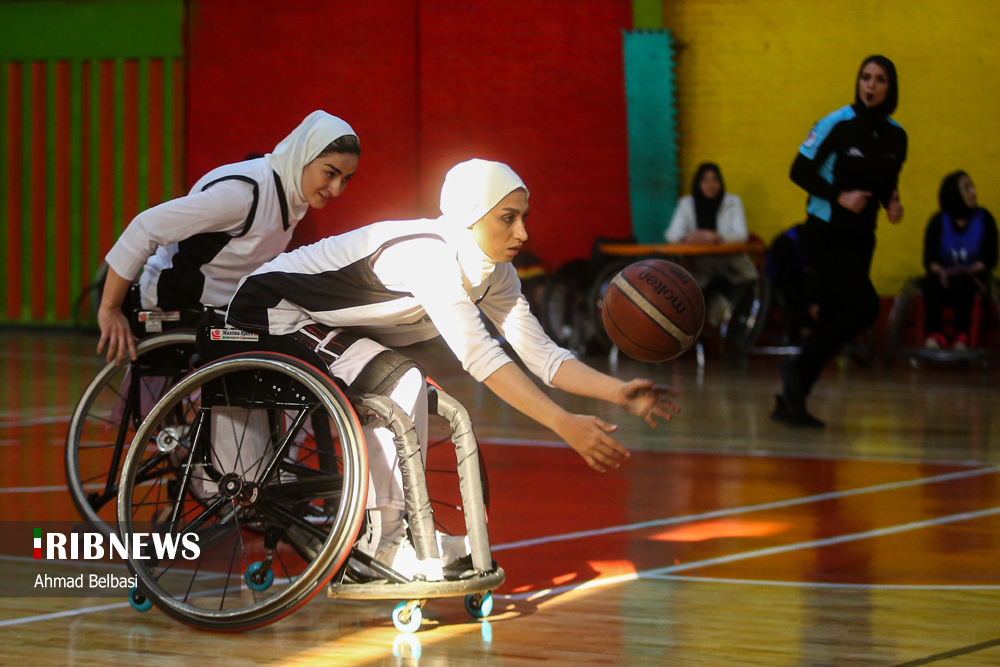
[849,164]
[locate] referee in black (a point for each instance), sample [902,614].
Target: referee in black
[849,164]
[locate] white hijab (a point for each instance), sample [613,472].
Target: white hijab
[471,190]
[300,148]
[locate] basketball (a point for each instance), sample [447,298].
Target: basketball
[653,310]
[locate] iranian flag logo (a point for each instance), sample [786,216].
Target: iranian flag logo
[38,543]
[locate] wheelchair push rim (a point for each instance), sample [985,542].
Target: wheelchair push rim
[93,429]
[277,496]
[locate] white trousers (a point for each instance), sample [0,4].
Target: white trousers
[385,480]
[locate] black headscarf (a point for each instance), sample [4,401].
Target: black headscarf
[891,96]
[950,197]
[705,209]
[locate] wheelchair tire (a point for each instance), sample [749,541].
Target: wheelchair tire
[601,341]
[88,454]
[267,403]
[749,314]
[900,320]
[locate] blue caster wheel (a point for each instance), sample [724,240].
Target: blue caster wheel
[258,582]
[479,606]
[139,601]
[410,623]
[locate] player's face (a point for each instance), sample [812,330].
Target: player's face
[710,184]
[968,191]
[326,177]
[873,84]
[500,233]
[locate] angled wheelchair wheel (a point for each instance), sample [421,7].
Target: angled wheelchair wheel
[109,412]
[749,314]
[595,304]
[901,320]
[274,476]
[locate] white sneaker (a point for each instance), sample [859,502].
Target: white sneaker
[402,558]
[452,547]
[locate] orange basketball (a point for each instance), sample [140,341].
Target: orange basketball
[653,310]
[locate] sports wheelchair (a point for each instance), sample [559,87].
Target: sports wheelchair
[904,329]
[117,400]
[260,454]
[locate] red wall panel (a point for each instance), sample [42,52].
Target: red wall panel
[256,68]
[426,83]
[538,85]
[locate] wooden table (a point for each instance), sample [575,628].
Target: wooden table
[680,249]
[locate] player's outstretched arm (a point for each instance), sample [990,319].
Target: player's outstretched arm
[588,435]
[641,397]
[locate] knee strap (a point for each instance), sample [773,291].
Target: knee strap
[384,371]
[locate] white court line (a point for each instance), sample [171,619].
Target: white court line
[659,572]
[749,453]
[819,584]
[62,614]
[715,514]
[45,489]
[36,422]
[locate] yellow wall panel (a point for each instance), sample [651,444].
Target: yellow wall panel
[753,77]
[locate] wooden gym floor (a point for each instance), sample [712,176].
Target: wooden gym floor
[725,540]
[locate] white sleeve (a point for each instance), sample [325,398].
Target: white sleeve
[429,270]
[732,222]
[223,207]
[683,222]
[509,310]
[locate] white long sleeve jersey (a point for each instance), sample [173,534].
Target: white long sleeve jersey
[195,249]
[398,283]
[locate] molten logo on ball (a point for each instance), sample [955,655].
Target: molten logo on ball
[653,310]
[662,290]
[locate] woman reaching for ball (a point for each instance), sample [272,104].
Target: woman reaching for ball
[395,283]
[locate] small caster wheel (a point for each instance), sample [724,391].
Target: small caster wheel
[479,605]
[258,581]
[407,621]
[139,601]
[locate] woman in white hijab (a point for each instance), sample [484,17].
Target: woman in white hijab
[194,250]
[400,282]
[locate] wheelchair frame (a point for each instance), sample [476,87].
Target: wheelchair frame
[329,563]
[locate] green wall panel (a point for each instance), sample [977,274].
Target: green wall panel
[652,131]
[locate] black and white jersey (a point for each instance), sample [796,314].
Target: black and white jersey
[398,283]
[195,249]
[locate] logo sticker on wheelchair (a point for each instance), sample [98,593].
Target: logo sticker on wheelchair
[233,334]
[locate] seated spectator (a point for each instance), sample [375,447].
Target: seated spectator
[710,215]
[960,251]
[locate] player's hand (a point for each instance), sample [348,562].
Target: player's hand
[854,200]
[647,400]
[894,210]
[589,437]
[115,332]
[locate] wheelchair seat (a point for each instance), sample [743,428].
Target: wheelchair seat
[905,334]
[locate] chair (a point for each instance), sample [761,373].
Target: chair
[905,335]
